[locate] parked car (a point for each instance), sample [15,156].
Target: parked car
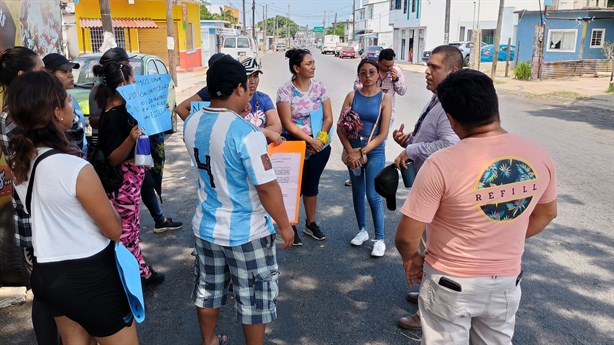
[84,80]
[463,46]
[280,47]
[488,51]
[372,52]
[348,52]
[239,46]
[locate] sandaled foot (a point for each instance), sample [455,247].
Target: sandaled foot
[222,339]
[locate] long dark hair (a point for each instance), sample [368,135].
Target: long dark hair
[32,100]
[108,78]
[295,57]
[13,60]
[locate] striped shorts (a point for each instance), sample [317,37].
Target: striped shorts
[253,269]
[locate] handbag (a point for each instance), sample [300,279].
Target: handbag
[111,176]
[29,191]
[363,158]
[350,123]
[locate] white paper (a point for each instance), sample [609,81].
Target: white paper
[287,168]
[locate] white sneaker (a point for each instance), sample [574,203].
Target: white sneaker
[379,248]
[360,238]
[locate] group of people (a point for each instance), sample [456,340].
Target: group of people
[479,191]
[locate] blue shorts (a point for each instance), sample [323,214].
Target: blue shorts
[253,269]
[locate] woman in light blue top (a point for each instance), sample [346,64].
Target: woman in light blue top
[374,109]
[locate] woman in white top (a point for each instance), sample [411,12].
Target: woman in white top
[73,223]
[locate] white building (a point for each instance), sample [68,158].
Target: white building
[419,24]
[372,24]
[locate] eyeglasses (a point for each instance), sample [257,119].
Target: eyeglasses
[367,73]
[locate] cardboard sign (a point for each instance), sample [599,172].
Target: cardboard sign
[147,102]
[198,106]
[287,159]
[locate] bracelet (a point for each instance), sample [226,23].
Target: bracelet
[323,137]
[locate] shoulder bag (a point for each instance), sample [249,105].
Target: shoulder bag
[363,159]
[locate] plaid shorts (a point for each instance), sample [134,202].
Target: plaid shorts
[254,273]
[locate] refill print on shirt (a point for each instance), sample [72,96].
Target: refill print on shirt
[505,189]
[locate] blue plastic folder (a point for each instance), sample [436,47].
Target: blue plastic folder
[316,118]
[130,276]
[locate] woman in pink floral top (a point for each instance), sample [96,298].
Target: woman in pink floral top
[296,100]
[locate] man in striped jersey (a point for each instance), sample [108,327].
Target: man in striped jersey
[238,194]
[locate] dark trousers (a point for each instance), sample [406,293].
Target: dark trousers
[150,198]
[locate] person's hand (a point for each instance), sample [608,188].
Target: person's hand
[316,145]
[134,132]
[354,159]
[275,138]
[400,161]
[287,234]
[414,269]
[393,74]
[399,137]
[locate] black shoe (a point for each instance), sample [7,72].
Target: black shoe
[297,240]
[155,278]
[314,231]
[167,224]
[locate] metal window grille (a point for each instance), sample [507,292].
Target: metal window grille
[597,38]
[96,37]
[397,5]
[413,6]
[405,6]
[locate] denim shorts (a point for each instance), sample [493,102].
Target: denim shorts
[254,272]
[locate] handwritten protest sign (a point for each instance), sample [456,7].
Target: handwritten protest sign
[146,101]
[287,159]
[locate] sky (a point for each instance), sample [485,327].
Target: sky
[303,12]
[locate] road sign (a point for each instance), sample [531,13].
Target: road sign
[318,29]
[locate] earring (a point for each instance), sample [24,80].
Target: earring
[61,119]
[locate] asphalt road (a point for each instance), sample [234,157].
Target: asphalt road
[333,293]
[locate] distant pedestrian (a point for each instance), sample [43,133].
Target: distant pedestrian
[73,224]
[296,100]
[238,194]
[373,108]
[117,136]
[478,200]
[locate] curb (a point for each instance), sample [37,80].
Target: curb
[11,295]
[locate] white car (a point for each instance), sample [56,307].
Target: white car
[240,46]
[280,47]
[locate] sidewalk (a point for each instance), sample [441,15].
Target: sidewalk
[570,88]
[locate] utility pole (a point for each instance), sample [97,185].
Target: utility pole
[254,20]
[170,41]
[107,26]
[244,30]
[495,57]
[446,25]
[265,36]
[335,25]
[353,19]
[288,28]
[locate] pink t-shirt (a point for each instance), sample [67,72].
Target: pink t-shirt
[476,198]
[303,103]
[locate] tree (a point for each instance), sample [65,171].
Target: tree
[608,51]
[282,23]
[337,30]
[226,15]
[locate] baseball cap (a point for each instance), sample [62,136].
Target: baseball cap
[224,76]
[251,66]
[214,58]
[116,54]
[386,183]
[56,61]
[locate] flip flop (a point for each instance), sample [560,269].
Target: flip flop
[222,339]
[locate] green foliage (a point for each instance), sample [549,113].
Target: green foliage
[611,88]
[226,15]
[283,25]
[337,30]
[523,71]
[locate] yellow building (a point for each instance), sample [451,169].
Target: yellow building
[140,27]
[234,13]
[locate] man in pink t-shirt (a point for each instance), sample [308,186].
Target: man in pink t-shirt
[478,201]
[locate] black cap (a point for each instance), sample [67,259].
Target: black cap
[386,183]
[214,58]
[55,61]
[224,76]
[116,54]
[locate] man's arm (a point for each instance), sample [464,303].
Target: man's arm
[183,109]
[407,239]
[272,200]
[541,216]
[399,86]
[445,137]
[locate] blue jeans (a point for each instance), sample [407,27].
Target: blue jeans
[150,198]
[364,185]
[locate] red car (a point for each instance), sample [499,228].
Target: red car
[347,52]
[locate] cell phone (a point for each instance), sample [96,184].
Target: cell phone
[519,278]
[450,284]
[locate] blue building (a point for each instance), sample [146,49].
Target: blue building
[565,31]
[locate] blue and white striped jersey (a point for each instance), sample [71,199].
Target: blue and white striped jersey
[231,158]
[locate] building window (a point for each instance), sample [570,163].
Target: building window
[96,37]
[562,40]
[597,36]
[189,36]
[413,5]
[392,4]
[397,4]
[405,5]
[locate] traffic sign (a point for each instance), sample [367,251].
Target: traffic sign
[318,29]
